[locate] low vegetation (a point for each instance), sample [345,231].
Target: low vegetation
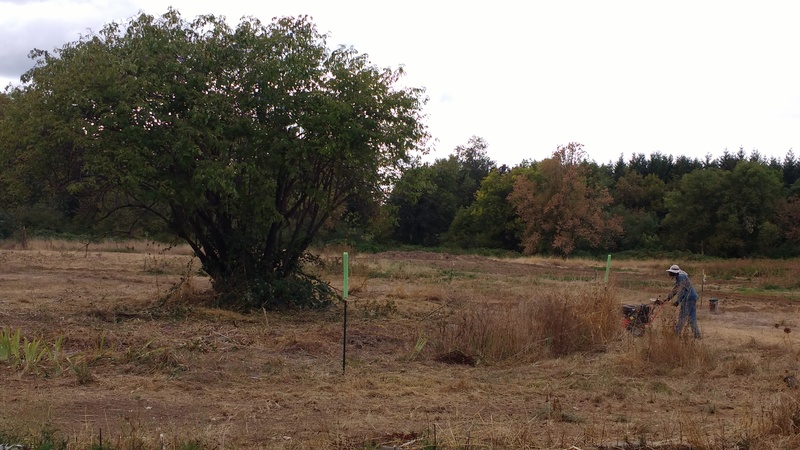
[443,351]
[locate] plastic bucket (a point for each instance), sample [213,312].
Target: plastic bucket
[712,305]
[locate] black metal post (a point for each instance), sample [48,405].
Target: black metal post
[344,338]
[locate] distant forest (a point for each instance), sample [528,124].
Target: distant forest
[734,205]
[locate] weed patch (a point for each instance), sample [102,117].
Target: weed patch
[29,355]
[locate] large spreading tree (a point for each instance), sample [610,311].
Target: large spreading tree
[244,141]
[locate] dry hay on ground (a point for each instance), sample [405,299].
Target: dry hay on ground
[141,368]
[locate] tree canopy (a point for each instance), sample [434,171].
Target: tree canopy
[562,207]
[243,141]
[428,196]
[490,221]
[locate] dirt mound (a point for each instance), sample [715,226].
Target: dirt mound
[457,357]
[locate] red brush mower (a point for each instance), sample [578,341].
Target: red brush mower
[636,317]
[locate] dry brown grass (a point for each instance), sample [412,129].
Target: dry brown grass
[92,246]
[662,352]
[556,321]
[551,365]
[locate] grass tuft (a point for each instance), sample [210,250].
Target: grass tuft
[660,352]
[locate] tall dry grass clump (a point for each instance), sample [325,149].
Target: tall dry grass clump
[577,319]
[775,426]
[554,322]
[660,351]
[782,417]
[492,332]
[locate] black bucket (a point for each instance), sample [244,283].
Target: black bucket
[712,305]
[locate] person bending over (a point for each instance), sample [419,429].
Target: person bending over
[685,297]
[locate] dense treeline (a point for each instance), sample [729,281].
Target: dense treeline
[735,205]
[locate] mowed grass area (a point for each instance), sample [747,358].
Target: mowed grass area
[120,347]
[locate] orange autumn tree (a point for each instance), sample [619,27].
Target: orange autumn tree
[562,205]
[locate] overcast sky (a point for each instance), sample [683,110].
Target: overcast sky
[620,77]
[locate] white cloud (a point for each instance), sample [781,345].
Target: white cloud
[621,77]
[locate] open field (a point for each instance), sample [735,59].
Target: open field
[443,352]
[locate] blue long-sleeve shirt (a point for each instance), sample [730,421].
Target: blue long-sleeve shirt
[683,289]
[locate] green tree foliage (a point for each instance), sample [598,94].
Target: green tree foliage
[635,191]
[422,203]
[38,161]
[491,220]
[725,212]
[691,218]
[428,196]
[786,221]
[728,160]
[791,169]
[641,229]
[562,206]
[244,141]
[32,142]
[750,195]
[788,218]
[474,165]
[639,201]
[639,164]
[661,166]
[665,167]
[684,165]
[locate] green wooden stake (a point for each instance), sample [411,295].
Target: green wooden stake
[608,267]
[344,295]
[346,270]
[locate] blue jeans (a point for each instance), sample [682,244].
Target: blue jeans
[688,311]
